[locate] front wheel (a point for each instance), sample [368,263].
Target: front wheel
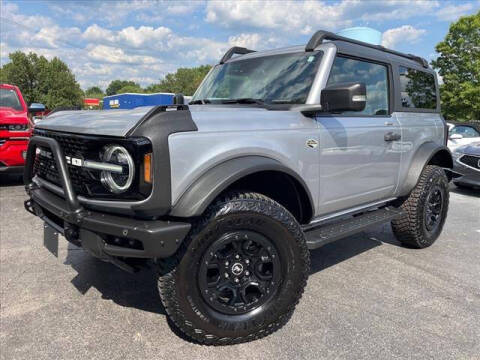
[425,210]
[239,273]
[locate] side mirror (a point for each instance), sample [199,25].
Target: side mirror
[344,97]
[36,108]
[456,137]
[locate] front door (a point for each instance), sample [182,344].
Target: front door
[358,160]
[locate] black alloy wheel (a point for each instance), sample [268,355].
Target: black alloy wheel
[239,272]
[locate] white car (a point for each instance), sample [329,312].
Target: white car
[461,134]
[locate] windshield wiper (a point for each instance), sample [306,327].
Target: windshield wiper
[199,102]
[244,101]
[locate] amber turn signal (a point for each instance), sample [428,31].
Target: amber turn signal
[147,168]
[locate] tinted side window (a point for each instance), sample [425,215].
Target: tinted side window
[375,77]
[417,89]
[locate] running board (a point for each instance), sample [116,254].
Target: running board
[323,235]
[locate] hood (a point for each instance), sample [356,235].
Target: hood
[470,149]
[235,117]
[10,116]
[205,117]
[94,122]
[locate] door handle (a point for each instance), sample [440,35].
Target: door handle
[391,136]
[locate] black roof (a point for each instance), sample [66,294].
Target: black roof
[320,36]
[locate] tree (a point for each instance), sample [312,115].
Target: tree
[184,80]
[48,82]
[459,65]
[114,87]
[130,89]
[94,92]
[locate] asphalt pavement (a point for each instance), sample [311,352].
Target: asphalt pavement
[367,298]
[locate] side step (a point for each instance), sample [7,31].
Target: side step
[323,235]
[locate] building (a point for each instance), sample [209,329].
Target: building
[131,100]
[91,103]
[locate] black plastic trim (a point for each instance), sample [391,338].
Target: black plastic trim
[69,192]
[160,238]
[236,50]
[11,170]
[422,157]
[321,35]
[157,125]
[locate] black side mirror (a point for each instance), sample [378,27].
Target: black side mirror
[344,97]
[36,108]
[178,99]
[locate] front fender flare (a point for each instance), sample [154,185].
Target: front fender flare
[213,182]
[423,156]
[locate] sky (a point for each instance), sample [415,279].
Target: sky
[144,40]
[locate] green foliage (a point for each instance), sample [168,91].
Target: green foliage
[116,85]
[130,89]
[48,82]
[184,80]
[459,65]
[94,92]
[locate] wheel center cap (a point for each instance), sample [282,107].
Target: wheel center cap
[237,269]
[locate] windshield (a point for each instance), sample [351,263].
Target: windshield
[277,79]
[9,98]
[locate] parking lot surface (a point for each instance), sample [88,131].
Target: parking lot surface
[367,298]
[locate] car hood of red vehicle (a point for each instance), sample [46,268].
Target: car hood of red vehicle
[10,116]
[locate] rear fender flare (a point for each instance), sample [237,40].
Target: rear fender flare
[423,156]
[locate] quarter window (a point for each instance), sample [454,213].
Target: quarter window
[375,77]
[417,89]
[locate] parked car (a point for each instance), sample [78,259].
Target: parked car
[278,152]
[467,163]
[462,134]
[15,129]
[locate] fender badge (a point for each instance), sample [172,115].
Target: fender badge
[312,143]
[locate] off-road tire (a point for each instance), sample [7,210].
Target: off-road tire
[410,229]
[177,282]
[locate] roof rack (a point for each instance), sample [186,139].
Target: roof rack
[235,50]
[321,35]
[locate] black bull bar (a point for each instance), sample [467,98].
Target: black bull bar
[86,228]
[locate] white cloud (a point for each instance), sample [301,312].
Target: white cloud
[97,33]
[143,35]
[304,17]
[249,41]
[55,37]
[453,12]
[104,53]
[405,33]
[285,15]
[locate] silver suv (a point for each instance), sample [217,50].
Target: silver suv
[278,152]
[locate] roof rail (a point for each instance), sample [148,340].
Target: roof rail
[321,35]
[235,50]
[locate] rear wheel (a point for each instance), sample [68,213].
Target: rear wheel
[425,210]
[239,273]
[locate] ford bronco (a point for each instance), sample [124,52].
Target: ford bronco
[278,152]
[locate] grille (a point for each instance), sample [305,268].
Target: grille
[83,181]
[471,160]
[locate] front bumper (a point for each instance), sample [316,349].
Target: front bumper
[11,169]
[469,176]
[12,154]
[104,235]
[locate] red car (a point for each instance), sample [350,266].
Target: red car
[15,129]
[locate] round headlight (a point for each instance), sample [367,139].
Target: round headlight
[114,181]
